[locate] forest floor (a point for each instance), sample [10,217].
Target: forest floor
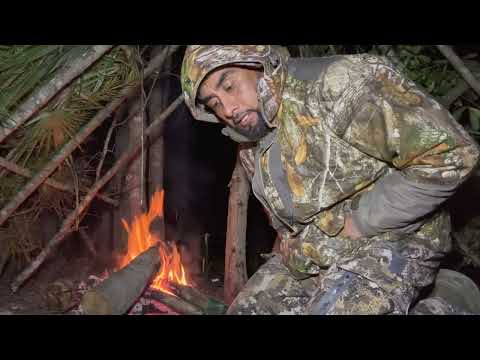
[32,298]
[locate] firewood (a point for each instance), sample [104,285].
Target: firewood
[208,305]
[175,303]
[116,294]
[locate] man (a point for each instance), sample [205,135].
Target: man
[352,163]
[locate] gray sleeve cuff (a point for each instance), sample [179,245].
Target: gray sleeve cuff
[398,204]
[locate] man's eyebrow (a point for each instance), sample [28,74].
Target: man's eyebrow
[219,83]
[222,78]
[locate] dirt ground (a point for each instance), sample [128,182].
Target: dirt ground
[31,299]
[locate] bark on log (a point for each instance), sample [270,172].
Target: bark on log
[235,250]
[133,197]
[69,147]
[158,101]
[115,295]
[50,182]
[71,218]
[45,93]
[177,304]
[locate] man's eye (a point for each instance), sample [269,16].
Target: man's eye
[228,87]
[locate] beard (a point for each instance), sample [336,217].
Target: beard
[254,132]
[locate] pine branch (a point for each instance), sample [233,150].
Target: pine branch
[45,93]
[50,182]
[79,138]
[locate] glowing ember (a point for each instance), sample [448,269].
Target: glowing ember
[140,239]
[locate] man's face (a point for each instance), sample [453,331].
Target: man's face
[231,94]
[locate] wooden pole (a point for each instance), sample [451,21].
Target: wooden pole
[235,250]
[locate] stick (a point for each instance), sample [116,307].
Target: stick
[88,242]
[45,93]
[69,147]
[50,182]
[460,66]
[177,304]
[115,295]
[70,220]
[105,146]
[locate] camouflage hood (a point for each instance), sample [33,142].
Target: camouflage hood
[200,60]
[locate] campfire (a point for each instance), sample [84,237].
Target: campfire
[151,275]
[140,239]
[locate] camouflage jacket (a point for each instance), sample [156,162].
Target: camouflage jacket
[349,134]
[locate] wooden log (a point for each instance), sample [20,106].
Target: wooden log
[208,305]
[235,249]
[175,303]
[115,295]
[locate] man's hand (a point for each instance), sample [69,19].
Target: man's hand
[350,230]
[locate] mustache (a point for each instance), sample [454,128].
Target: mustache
[239,116]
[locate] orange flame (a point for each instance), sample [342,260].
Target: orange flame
[140,239]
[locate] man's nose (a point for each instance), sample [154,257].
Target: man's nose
[230,107]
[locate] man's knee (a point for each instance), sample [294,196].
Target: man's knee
[350,294]
[271,290]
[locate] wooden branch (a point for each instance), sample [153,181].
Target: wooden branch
[175,303]
[81,207]
[208,305]
[88,242]
[116,294]
[50,182]
[69,147]
[105,147]
[45,93]
[235,250]
[460,66]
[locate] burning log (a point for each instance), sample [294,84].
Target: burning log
[175,303]
[208,305]
[115,295]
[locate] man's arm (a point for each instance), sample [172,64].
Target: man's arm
[394,121]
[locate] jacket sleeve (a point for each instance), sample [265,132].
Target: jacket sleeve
[429,152]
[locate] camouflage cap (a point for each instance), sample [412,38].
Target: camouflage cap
[200,60]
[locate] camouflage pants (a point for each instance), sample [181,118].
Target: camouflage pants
[273,291]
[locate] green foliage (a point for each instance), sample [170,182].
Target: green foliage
[22,70]
[427,69]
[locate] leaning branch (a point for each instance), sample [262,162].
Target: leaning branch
[50,182]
